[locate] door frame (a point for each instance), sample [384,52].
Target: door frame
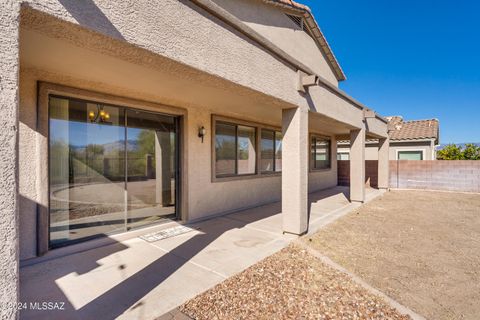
[45,89]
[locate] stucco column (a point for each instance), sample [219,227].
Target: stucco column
[295,170]
[9,82]
[357,165]
[383,163]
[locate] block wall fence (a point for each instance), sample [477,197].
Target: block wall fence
[448,175]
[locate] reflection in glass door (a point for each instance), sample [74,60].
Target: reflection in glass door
[110,169]
[151,163]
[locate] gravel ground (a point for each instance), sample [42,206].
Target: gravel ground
[420,248]
[290,284]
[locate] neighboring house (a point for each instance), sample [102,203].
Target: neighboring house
[121,115]
[409,140]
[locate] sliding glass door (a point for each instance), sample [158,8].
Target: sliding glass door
[111,168]
[152,166]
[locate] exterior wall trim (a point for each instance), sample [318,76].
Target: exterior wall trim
[46,89]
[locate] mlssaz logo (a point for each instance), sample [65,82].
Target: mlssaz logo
[47,306]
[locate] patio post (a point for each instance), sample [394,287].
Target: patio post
[295,170]
[9,83]
[357,165]
[383,163]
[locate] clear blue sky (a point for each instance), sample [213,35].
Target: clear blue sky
[415,58]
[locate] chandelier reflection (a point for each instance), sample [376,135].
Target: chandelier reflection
[100,115]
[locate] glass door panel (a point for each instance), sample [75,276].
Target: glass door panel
[152,167]
[87,170]
[106,177]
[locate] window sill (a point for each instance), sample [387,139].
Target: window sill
[246,177]
[270,173]
[320,170]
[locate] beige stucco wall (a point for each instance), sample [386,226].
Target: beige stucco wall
[185,33]
[66,64]
[9,48]
[273,24]
[205,197]
[376,127]
[371,150]
[169,61]
[425,147]
[328,103]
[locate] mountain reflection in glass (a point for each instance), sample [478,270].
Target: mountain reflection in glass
[101,173]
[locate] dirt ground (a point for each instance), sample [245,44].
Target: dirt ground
[420,248]
[291,284]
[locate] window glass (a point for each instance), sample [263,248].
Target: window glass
[320,151]
[236,150]
[278,151]
[410,155]
[267,151]
[343,156]
[151,167]
[246,154]
[225,149]
[87,171]
[106,176]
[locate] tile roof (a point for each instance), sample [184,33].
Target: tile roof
[413,130]
[315,30]
[407,130]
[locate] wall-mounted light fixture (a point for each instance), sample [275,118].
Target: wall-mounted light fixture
[201,132]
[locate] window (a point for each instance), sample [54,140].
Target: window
[271,151]
[343,156]
[320,153]
[111,168]
[410,155]
[235,149]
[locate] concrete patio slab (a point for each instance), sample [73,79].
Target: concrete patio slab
[224,246]
[135,279]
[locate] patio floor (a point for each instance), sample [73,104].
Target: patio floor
[135,279]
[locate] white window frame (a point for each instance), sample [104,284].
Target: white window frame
[410,150]
[343,152]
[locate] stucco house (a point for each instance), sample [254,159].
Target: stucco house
[409,140]
[120,115]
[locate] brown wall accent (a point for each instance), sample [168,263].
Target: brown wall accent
[343,172]
[451,175]
[371,173]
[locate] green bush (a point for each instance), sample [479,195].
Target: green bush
[454,152]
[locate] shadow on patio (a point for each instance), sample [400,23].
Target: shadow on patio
[141,280]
